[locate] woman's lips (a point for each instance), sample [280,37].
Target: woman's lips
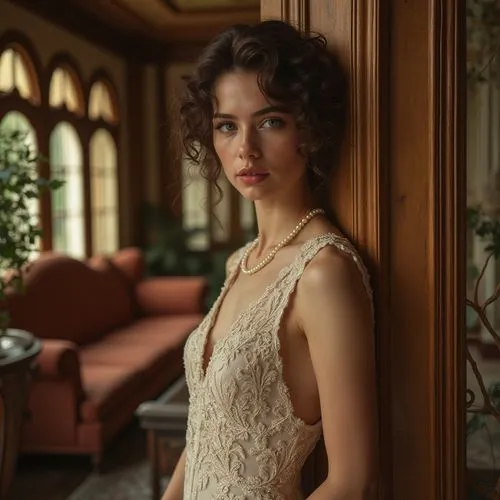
[252,178]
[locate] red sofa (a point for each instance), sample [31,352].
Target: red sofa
[111,340]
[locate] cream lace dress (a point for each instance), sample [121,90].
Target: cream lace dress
[243,440]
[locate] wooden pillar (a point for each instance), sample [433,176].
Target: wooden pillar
[427,238]
[400,194]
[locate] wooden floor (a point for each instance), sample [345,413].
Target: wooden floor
[56,477]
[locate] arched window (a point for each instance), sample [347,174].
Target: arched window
[104,192]
[65,91]
[14,121]
[17,74]
[66,164]
[101,104]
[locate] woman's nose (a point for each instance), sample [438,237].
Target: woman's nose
[249,145]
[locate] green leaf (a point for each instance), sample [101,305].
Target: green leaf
[20,184]
[56,183]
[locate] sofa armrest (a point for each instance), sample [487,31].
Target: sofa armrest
[172,295]
[59,360]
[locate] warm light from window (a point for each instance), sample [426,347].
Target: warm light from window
[67,203]
[63,91]
[101,105]
[104,193]
[14,74]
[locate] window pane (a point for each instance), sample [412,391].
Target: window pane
[104,194]
[7,71]
[67,202]
[195,216]
[56,97]
[63,91]
[100,104]
[21,77]
[14,73]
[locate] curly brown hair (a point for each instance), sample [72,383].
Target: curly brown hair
[293,69]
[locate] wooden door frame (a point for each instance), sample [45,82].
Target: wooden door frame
[400,194]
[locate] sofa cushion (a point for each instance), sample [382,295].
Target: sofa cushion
[105,388]
[130,261]
[67,299]
[146,346]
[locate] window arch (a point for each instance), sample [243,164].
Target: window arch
[65,91]
[68,213]
[102,103]
[104,192]
[17,73]
[82,217]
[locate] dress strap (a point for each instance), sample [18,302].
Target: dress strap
[306,254]
[313,246]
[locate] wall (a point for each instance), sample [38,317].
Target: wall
[152,184]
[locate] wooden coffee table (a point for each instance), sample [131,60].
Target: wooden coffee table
[165,421]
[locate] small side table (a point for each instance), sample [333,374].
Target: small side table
[165,417]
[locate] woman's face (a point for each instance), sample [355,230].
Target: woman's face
[256,140]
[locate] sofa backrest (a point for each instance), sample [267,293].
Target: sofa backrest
[69,299]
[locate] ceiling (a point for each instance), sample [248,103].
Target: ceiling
[142,26]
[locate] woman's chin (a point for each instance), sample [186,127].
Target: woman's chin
[252,194]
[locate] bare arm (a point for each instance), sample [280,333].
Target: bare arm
[175,486]
[335,315]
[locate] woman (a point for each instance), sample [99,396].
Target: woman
[286,352]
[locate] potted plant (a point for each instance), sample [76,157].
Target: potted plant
[20,188]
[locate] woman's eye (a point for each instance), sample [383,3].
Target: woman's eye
[273,123]
[226,127]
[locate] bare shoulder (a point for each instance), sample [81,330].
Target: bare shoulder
[332,281]
[331,269]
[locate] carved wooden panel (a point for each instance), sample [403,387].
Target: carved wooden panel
[400,194]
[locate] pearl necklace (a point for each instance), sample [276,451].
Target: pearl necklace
[312,213]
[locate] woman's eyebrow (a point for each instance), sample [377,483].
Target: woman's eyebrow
[260,112]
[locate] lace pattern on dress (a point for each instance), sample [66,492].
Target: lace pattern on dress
[243,439]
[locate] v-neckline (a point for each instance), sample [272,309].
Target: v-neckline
[214,312]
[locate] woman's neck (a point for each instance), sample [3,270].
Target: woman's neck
[276,221]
